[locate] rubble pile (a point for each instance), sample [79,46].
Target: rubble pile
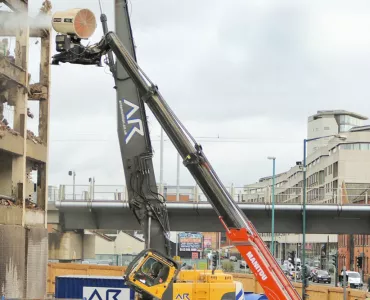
[37,91]
[4,127]
[5,202]
[29,204]
[31,136]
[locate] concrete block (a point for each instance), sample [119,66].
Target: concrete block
[35,218]
[36,151]
[11,143]
[12,261]
[36,266]
[11,215]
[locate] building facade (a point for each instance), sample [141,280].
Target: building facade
[23,153]
[338,172]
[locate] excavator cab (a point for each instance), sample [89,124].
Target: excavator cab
[151,273]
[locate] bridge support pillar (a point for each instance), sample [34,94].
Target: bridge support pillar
[71,246]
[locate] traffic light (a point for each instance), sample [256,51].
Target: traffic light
[305,274]
[359,262]
[334,260]
[214,260]
[291,257]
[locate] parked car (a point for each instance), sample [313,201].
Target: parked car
[233,258]
[243,264]
[354,280]
[321,276]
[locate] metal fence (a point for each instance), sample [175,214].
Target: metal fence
[315,195]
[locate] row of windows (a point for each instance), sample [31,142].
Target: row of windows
[313,163]
[358,240]
[356,146]
[349,120]
[361,239]
[332,169]
[345,128]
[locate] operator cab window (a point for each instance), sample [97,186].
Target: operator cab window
[152,272]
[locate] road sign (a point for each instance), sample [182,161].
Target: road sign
[99,293]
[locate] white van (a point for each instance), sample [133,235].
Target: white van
[354,280]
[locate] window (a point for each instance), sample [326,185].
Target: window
[335,169]
[152,272]
[346,146]
[364,146]
[326,128]
[356,146]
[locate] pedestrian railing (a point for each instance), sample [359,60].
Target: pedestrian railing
[359,195]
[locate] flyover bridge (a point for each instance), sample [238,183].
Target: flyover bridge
[106,207]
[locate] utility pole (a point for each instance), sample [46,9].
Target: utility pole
[272,246]
[327,254]
[363,258]
[344,283]
[73,173]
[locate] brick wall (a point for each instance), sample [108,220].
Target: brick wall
[361,243]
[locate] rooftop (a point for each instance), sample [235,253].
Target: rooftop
[321,113]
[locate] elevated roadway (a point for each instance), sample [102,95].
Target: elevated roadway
[199,216]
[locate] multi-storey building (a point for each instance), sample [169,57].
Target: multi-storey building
[23,220]
[338,171]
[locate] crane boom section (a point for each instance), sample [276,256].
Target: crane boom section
[239,229]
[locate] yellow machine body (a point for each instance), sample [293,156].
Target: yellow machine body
[203,285]
[159,276]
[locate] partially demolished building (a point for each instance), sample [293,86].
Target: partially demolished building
[23,200]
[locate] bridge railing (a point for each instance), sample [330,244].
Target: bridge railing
[315,195]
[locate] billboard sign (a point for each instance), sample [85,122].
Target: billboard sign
[207,243]
[190,241]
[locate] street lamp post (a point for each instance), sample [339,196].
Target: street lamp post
[73,173]
[272,245]
[305,141]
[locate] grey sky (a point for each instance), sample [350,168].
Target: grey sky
[235,69]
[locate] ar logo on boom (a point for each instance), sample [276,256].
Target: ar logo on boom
[126,118]
[182,297]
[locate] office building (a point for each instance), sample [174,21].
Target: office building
[338,172]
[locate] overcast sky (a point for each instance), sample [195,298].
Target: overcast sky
[248,72]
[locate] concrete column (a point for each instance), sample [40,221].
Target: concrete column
[44,113]
[20,117]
